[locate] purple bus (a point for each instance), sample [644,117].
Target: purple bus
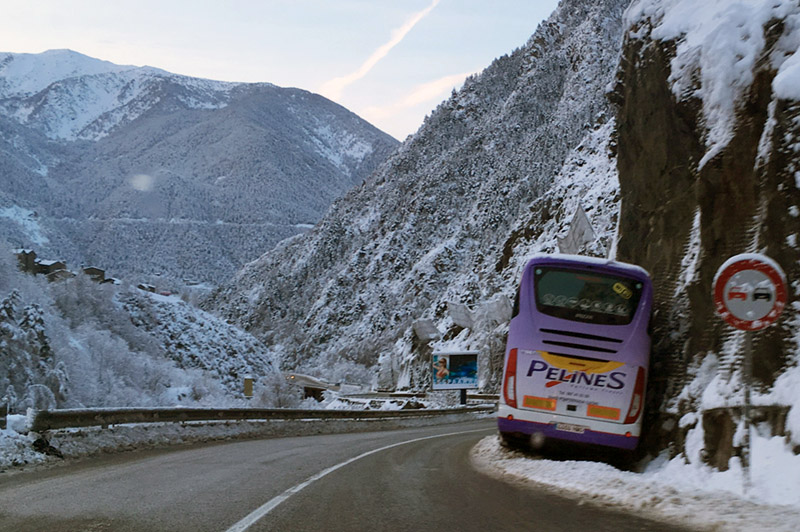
[577,353]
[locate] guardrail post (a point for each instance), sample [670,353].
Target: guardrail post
[3,414]
[248,387]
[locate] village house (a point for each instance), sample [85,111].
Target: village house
[46,267]
[95,274]
[56,270]
[60,275]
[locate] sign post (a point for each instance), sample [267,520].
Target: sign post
[749,294]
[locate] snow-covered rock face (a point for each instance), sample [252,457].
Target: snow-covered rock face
[709,153]
[144,168]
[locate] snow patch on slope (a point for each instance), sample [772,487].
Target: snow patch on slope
[27,220]
[339,148]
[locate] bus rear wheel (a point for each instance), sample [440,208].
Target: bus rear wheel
[513,440]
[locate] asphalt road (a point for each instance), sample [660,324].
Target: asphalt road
[379,481]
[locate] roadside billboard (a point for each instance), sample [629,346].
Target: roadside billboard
[455,370]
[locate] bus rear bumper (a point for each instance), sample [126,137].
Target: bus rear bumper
[566,431]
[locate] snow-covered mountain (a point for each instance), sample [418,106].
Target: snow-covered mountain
[673,125]
[494,174]
[70,96]
[141,171]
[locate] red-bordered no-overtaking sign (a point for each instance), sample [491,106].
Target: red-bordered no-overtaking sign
[750,291]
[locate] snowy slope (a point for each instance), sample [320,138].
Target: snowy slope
[496,172]
[76,344]
[194,339]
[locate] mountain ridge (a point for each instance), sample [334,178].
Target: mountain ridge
[250,164]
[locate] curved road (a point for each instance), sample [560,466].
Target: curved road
[411,480]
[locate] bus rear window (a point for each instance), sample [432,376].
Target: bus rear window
[586,296]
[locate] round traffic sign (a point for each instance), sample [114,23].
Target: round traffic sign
[750,291]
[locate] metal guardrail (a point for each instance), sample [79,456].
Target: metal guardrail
[421,395]
[64,419]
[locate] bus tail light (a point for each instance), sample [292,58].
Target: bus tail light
[637,401]
[510,380]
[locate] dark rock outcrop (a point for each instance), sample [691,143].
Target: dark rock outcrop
[681,220]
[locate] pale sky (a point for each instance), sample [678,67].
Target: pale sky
[389,61]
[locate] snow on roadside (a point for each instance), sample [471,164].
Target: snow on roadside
[16,447]
[668,490]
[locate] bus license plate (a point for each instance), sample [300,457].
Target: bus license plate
[569,427]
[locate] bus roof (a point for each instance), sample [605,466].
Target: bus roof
[565,259]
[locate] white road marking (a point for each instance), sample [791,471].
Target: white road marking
[270,505]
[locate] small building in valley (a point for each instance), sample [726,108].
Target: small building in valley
[46,267]
[95,274]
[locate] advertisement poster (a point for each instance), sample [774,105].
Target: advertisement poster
[455,371]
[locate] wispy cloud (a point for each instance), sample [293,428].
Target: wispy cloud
[333,88]
[436,90]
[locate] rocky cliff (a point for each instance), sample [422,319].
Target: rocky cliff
[708,160]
